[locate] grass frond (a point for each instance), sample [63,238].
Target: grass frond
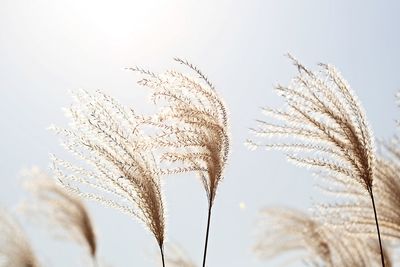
[327,123]
[193,122]
[59,209]
[323,127]
[15,249]
[194,127]
[117,170]
[283,231]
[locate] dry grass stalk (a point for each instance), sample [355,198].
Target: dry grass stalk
[323,127]
[59,209]
[15,250]
[120,170]
[194,127]
[286,230]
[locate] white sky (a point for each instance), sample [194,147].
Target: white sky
[49,47]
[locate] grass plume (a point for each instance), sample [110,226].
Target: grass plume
[194,127]
[15,249]
[120,171]
[59,209]
[323,127]
[285,230]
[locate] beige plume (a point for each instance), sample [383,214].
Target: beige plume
[194,127]
[15,249]
[117,168]
[323,127]
[193,123]
[284,231]
[59,209]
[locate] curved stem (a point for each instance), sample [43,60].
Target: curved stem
[162,255]
[377,228]
[207,232]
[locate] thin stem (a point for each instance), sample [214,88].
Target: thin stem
[162,255]
[377,227]
[207,232]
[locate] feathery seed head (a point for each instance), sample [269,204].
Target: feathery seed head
[59,208]
[193,123]
[285,230]
[120,170]
[15,250]
[323,126]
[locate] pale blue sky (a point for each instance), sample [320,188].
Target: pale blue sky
[50,47]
